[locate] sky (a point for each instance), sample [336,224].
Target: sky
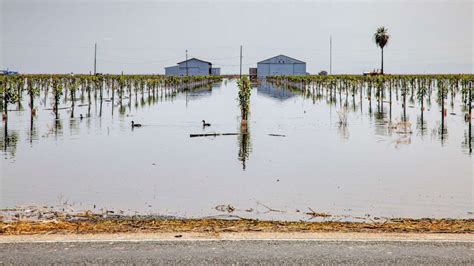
[53,36]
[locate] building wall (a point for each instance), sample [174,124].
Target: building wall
[281,69]
[264,70]
[216,71]
[280,65]
[299,69]
[195,68]
[172,71]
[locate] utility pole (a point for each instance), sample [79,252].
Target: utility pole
[240,62]
[330,55]
[95,58]
[186,63]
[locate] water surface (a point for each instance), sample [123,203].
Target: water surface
[358,170]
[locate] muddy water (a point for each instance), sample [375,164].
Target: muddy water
[360,169]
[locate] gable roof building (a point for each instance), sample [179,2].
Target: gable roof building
[192,67]
[280,65]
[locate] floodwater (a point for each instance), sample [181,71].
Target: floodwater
[357,170]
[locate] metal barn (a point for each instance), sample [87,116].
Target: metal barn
[280,65]
[192,67]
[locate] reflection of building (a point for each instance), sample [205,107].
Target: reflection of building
[192,67]
[280,65]
[268,89]
[200,92]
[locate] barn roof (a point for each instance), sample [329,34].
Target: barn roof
[194,59]
[276,58]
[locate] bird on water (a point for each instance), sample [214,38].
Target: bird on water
[204,124]
[136,124]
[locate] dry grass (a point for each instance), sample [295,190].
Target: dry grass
[129,225]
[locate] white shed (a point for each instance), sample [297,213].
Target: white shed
[192,67]
[280,65]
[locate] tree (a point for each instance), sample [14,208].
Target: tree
[381,38]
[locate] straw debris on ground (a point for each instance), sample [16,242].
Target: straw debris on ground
[88,225]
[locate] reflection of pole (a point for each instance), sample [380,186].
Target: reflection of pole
[186,63]
[31,128]
[240,76]
[186,92]
[390,91]
[470,118]
[422,109]
[442,112]
[5,137]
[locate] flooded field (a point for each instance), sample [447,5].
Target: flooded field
[313,152]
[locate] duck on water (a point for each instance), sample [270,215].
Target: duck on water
[136,124]
[204,124]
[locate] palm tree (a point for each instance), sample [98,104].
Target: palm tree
[381,38]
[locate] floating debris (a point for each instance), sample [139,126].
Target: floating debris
[276,135]
[401,127]
[314,214]
[214,134]
[225,208]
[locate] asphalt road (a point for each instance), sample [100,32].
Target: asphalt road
[239,252]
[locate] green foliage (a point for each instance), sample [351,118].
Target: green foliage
[381,37]
[244,96]
[421,93]
[8,90]
[32,89]
[419,85]
[57,89]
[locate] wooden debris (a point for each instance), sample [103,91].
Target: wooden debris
[214,134]
[276,135]
[314,214]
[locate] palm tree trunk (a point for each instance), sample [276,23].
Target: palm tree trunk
[382,61]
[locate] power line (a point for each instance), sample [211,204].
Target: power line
[235,65]
[222,58]
[138,63]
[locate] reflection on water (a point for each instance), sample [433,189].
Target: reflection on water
[337,151]
[245,146]
[9,142]
[268,89]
